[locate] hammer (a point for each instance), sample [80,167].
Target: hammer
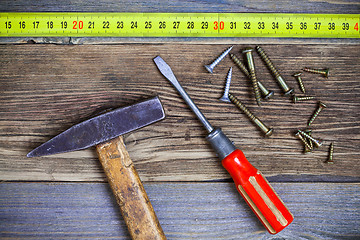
[105,132]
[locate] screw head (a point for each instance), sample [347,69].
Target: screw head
[269,95]
[225,99]
[297,74]
[322,105]
[326,73]
[249,49]
[209,68]
[269,133]
[295,99]
[289,92]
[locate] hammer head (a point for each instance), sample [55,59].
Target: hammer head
[103,128]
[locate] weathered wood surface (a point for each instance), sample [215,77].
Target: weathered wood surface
[185,211]
[308,6]
[47,88]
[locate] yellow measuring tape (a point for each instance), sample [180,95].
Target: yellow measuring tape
[78,24]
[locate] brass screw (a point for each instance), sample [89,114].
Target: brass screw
[308,131]
[331,152]
[266,130]
[266,93]
[303,98]
[287,90]
[211,66]
[251,65]
[324,72]
[240,65]
[308,148]
[318,143]
[301,84]
[316,113]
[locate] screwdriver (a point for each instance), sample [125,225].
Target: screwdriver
[250,182]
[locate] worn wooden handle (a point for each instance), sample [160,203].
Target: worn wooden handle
[130,194]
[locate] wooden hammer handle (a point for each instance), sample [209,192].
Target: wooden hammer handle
[130,194]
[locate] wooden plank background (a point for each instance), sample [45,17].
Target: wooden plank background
[68,211]
[52,92]
[46,88]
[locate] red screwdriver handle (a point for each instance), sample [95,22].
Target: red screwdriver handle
[257,192]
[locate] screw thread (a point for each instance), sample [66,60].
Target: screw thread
[316,113]
[317,143]
[267,60]
[324,72]
[242,107]
[304,98]
[255,87]
[266,130]
[225,96]
[240,64]
[308,131]
[276,74]
[301,84]
[307,145]
[317,71]
[331,152]
[221,57]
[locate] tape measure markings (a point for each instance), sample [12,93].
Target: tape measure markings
[61,24]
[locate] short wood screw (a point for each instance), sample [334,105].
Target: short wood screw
[316,113]
[302,98]
[287,90]
[308,131]
[301,84]
[266,130]
[308,148]
[266,93]
[211,66]
[251,65]
[318,143]
[331,152]
[324,72]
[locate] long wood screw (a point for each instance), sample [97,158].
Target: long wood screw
[331,152]
[301,84]
[265,92]
[251,65]
[211,66]
[303,98]
[287,90]
[266,130]
[316,113]
[324,72]
[233,99]
[318,143]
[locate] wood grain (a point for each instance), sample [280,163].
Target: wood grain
[47,88]
[185,211]
[308,6]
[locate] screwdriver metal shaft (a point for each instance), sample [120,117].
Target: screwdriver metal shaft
[167,72]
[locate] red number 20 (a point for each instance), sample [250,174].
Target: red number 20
[81,24]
